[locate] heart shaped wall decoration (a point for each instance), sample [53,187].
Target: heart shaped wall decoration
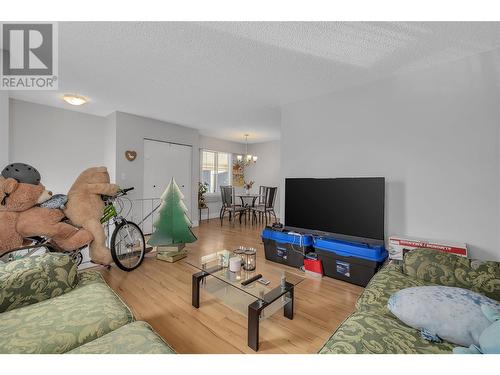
[130,155]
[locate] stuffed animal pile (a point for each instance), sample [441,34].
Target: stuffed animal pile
[27,210]
[20,216]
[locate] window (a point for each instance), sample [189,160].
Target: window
[215,169]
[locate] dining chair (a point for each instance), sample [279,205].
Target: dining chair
[261,199]
[267,208]
[228,198]
[259,202]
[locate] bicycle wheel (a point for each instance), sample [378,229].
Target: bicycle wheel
[128,246]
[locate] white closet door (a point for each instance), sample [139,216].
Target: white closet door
[162,161]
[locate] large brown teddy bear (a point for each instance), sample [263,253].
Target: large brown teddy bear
[85,208]
[20,218]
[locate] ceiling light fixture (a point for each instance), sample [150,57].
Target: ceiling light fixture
[249,159]
[75,99]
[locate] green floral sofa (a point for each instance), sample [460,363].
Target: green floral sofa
[373,329]
[47,307]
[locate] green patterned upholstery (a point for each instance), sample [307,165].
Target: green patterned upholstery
[386,282]
[373,329]
[63,323]
[451,270]
[368,332]
[134,338]
[46,307]
[34,279]
[89,277]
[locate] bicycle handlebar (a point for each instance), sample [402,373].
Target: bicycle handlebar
[119,193]
[124,191]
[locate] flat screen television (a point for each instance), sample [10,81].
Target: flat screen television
[350,209]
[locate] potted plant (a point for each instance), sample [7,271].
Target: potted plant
[202,190]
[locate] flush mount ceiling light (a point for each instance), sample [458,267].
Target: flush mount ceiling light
[249,159]
[75,99]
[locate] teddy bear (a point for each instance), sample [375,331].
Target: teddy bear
[20,218]
[85,208]
[489,341]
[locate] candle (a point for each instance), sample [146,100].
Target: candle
[235,264]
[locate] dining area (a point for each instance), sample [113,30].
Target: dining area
[254,208]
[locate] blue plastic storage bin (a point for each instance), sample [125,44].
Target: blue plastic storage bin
[375,253]
[285,237]
[282,247]
[352,262]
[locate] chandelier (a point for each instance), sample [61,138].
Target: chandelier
[249,159]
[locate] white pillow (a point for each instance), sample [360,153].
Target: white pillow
[443,312]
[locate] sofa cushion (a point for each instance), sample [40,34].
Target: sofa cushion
[386,282]
[133,338]
[89,277]
[37,278]
[367,332]
[451,270]
[63,323]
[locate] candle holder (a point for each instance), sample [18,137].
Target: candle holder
[240,251]
[250,259]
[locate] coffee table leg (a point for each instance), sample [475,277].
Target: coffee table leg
[195,294]
[254,310]
[288,308]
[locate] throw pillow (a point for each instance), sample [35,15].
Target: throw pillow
[36,278]
[442,312]
[452,270]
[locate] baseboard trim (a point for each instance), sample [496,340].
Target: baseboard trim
[216,216]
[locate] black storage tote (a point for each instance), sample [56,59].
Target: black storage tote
[351,262]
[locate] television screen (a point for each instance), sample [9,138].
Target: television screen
[350,207]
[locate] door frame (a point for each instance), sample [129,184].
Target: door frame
[172,143]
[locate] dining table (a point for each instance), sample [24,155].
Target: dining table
[249,196]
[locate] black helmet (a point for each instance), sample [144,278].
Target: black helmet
[23,173]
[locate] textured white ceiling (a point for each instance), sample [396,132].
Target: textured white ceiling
[230,78]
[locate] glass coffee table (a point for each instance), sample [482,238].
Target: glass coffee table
[255,300]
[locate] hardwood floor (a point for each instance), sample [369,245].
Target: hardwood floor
[160,293]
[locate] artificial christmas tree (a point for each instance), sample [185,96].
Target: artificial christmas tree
[172,227]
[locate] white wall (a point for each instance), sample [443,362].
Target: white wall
[267,170]
[58,142]
[62,143]
[110,148]
[131,131]
[4,129]
[433,134]
[217,144]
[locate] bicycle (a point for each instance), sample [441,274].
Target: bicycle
[127,243]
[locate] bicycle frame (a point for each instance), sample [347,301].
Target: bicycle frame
[109,212]
[111,217]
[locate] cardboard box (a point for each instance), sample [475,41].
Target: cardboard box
[171,256]
[400,245]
